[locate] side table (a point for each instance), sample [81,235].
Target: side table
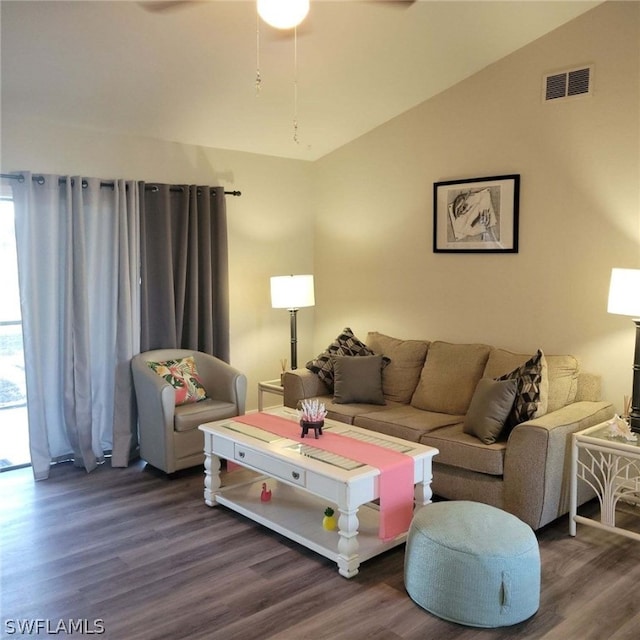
[611,466]
[268,386]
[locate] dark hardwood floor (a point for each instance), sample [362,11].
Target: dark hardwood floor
[140,556]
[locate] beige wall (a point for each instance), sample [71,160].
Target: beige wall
[361,218]
[579,208]
[269,225]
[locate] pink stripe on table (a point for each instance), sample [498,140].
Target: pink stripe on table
[396,469]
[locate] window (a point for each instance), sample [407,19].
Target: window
[14,436]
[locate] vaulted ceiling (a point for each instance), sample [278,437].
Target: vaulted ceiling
[187,73]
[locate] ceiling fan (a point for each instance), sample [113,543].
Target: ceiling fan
[285,24]
[158,6]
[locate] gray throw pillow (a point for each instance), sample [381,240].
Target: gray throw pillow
[357,379]
[346,344]
[490,406]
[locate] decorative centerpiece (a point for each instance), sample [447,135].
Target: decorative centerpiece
[619,428]
[329,521]
[265,494]
[312,414]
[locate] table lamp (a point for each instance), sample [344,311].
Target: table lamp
[624,299]
[292,292]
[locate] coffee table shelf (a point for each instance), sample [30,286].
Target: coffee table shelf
[297,515]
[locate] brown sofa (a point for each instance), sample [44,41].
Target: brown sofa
[427,389]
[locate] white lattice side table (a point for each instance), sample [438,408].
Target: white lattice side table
[268,386]
[611,466]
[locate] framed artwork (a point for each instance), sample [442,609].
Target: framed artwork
[476,215]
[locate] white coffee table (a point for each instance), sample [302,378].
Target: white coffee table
[304,481]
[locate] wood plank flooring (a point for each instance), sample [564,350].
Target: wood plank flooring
[141,556]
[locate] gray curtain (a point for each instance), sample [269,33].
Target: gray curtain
[184,269]
[78,265]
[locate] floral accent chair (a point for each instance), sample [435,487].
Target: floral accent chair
[177,390]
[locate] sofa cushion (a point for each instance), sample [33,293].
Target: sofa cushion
[357,379]
[183,376]
[465,451]
[191,416]
[346,344]
[490,406]
[455,483]
[528,377]
[400,377]
[404,421]
[501,362]
[348,412]
[589,387]
[449,377]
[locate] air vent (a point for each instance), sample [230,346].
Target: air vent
[567,84]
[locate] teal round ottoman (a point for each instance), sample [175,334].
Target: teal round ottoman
[472,564]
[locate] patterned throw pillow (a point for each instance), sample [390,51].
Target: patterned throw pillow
[528,377]
[183,376]
[346,344]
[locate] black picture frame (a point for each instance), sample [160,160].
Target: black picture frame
[476,215]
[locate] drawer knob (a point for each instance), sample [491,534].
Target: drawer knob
[296,475]
[240,454]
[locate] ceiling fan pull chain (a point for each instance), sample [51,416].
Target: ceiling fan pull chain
[258,76]
[295,85]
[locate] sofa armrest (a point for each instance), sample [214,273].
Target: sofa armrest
[222,381]
[156,400]
[300,384]
[155,397]
[537,465]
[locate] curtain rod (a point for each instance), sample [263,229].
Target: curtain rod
[177,189]
[40,180]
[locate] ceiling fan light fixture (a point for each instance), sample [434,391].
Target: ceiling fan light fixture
[283,14]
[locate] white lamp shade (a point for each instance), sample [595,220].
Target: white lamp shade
[283,14]
[292,292]
[624,292]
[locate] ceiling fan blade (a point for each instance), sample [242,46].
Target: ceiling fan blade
[398,4]
[159,6]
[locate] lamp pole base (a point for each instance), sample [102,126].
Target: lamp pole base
[294,338]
